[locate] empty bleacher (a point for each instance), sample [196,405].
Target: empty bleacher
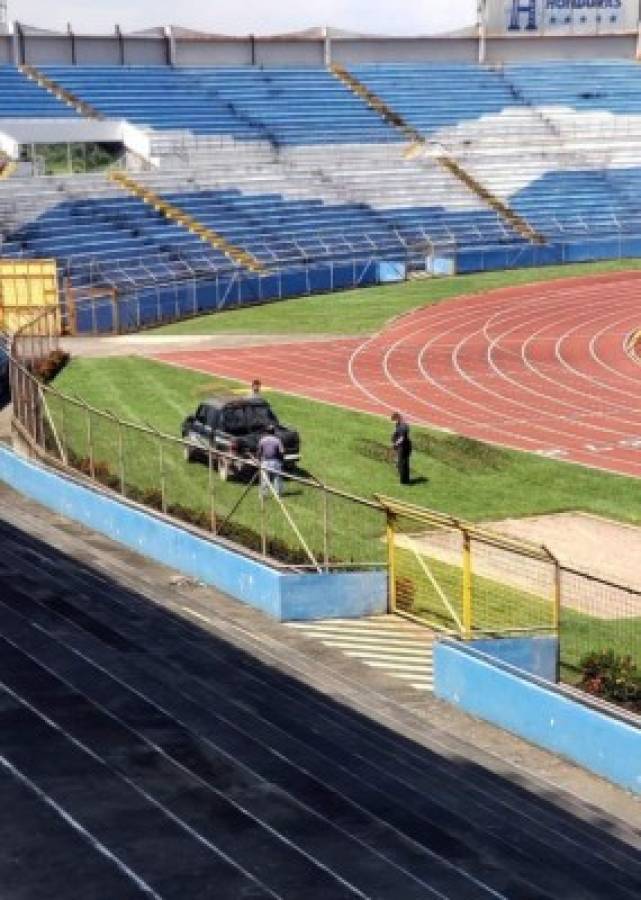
[21,98]
[101,234]
[283,106]
[291,166]
[607,85]
[432,96]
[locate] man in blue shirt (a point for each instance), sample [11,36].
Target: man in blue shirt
[402,447]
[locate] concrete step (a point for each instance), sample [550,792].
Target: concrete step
[390,643]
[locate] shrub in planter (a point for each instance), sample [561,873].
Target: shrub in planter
[47,369]
[612,677]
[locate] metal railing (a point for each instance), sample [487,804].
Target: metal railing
[306,524]
[467,580]
[457,577]
[597,615]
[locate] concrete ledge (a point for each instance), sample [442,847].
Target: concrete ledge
[282,595]
[535,655]
[542,713]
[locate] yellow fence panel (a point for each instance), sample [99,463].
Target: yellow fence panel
[27,287]
[464,579]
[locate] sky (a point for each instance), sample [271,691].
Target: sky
[249,16]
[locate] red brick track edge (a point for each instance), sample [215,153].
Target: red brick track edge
[541,367]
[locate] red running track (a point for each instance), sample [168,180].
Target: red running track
[540,367]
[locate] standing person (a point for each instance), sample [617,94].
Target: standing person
[271,454]
[256,386]
[402,447]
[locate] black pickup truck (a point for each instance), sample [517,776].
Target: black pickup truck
[234,426]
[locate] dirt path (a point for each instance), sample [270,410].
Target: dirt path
[152,344]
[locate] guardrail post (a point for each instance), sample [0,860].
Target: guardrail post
[263,528]
[467,586]
[325,530]
[121,459]
[213,523]
[161,462]
[92,467]
[556,616]
[391,556]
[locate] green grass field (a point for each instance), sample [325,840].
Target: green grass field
[348,450]
[366,310]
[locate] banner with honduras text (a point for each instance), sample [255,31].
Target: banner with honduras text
[560,17]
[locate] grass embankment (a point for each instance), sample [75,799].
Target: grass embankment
[366,310]
[348,450]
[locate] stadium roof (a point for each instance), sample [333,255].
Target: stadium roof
[316,33]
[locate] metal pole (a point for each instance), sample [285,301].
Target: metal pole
[213,524]
[325,531]
[467,586]
[63,436]
[92,468]
[121,459]
[161,460]
[556,615]
[391,556]
[263,529]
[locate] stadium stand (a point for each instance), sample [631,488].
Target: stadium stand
[102,234]
[432,96]
[608,85]
[22,99]
[283,106]
[291,166]
[193,753]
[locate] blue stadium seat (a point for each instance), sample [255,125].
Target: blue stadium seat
[285,106]
[21,98]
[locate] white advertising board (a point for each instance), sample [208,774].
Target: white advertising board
[560,17]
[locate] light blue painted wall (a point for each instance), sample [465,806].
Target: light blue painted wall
[335,595]
[536,655]
[539,712]
[283,596]
[391,271]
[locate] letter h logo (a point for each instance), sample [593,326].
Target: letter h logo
[520,7]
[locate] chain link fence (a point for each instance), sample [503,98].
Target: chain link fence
[453,576]
[305,525]
[467,580]
[597,616]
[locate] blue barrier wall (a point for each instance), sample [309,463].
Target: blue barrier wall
[542,713]
[536,655]
[281,595]
[167,302]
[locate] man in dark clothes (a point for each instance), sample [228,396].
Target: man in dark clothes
[402,447]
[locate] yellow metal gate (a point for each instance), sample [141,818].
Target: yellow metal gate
[466,579]
[27,288]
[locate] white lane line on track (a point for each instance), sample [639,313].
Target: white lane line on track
[527,390]
[91,839]
[521,438]
[579,396]
[539,369]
